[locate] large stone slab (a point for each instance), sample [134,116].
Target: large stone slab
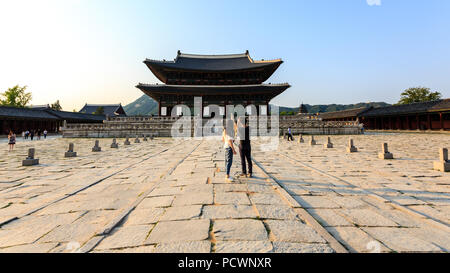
[293,231]
[182,213]
[179,231]
[235,198]
[144,216]
[243,247]
[157,202]
[284,247]
[228,211]
[402,239]
[355,239]
[276,212]
[315,202]
[200,198]
[266,199]
[184,247]
[367,217]
[129,236]
[329,217]
[239,230]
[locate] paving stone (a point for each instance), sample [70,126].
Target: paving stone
[139,249]
[266,199]
[243,247]
[316,202]
[367,217]
[401,239]
[31,248]
[201,198]
[284,247]
[182,213]
[75,232]
[239,230]
[144,216]
[225,198]
[228,211]
[354,239]
[276,212]
[329,217]
[157,202]
[179,231]
[293,231]
[230,188]
[165,191]
[125,237]
[184,247]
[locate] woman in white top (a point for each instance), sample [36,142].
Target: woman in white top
[227,139]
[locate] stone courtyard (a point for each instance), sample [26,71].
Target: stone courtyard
[169,195]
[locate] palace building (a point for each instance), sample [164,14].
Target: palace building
[220,80]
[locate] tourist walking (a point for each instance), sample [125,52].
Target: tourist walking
[227,139]
[27,134]
[39,134]
[31,135]
[45,134]
[11,140]
[290,138]
[245,148]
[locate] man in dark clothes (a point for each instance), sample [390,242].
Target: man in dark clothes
[245,148]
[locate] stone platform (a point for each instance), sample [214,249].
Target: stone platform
[171,196]
[161,126]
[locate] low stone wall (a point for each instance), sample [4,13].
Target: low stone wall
[161,126]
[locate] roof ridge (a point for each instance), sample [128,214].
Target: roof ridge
[188,85]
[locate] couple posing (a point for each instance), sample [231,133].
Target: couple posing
[242,130]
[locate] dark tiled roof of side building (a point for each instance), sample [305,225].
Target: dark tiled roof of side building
[75,116]
[345,113]
[403,109]
[25,113]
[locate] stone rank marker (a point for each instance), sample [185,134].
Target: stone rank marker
[312,142]
[443,165]
[328,145]
[30,160]
[127,142]
[70,152]
[137,140]
[96,147]
[385,154]
[300,139]
[351,148]
[114,144]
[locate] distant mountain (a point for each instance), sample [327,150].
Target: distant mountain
[144,106]
[147,106]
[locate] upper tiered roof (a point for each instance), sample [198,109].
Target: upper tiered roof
[232,69]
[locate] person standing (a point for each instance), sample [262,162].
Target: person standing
[290,138]
[11,140]
[45,133]
[245,148]
[39,134]
[227,139]
[27,134]
[31,135]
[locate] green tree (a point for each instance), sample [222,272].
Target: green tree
[16,97]
[99,111]
[56,106]
[418,94]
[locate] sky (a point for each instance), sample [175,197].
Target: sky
[334,51]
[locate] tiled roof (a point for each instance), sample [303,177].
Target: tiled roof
[25,113]
[413,108]
[108,109]
[345,113]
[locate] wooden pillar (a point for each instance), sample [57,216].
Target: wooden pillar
[429,121]
[441,119]
[417,122]
[408,126]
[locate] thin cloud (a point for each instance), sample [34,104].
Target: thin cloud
[374,2]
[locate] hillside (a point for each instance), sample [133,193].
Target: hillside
[147,106]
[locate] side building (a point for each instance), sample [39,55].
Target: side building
[432,115]
[42,118]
